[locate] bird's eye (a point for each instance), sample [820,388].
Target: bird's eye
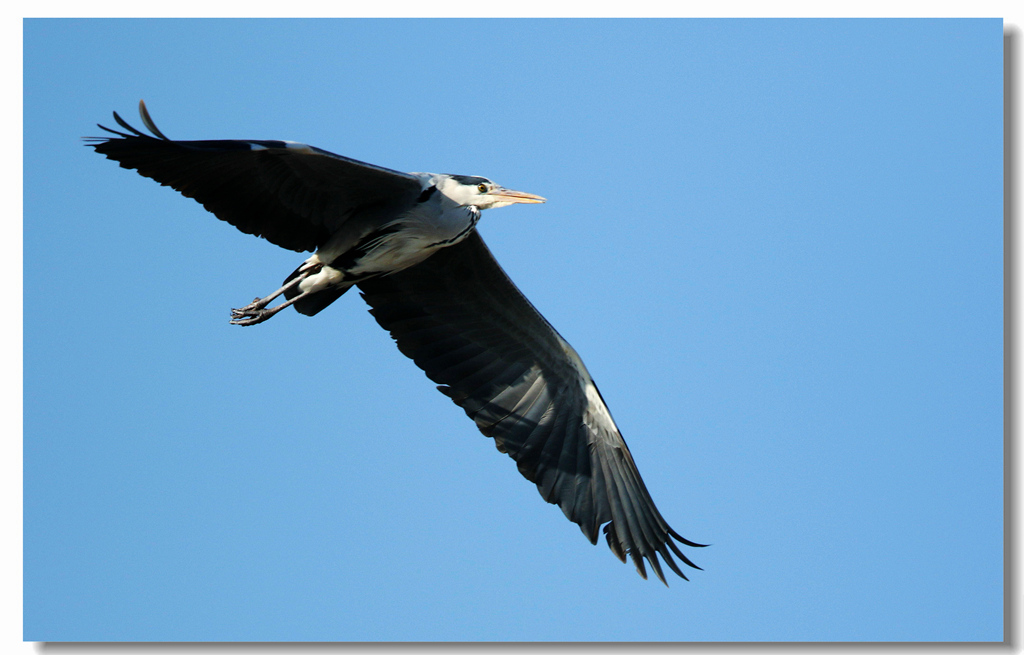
[482,188]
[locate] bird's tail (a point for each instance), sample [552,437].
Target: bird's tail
[311,304]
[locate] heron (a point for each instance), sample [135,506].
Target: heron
[409,242]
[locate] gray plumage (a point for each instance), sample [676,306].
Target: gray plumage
[408,240]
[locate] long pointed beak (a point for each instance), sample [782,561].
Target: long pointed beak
[510,196]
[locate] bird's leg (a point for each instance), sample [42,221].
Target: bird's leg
[256,312]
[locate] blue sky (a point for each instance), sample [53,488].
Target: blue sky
[776,244]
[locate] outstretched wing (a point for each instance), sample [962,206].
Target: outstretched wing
[464,322]
[293,195]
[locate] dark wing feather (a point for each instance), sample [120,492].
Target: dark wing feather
[461,319]
[293,195]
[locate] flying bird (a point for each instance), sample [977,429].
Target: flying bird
[409,242]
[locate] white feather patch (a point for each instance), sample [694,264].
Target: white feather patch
[596,406]
[301,147]
[326,277]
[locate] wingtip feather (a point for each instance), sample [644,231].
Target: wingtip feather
[123,123]
[148,122]
[653,559]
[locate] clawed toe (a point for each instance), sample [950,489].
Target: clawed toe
[257,303]
[250,315]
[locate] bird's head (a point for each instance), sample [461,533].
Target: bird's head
[481,192]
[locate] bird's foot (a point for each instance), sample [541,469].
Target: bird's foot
[257,311]
[250,314]
[257,303]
